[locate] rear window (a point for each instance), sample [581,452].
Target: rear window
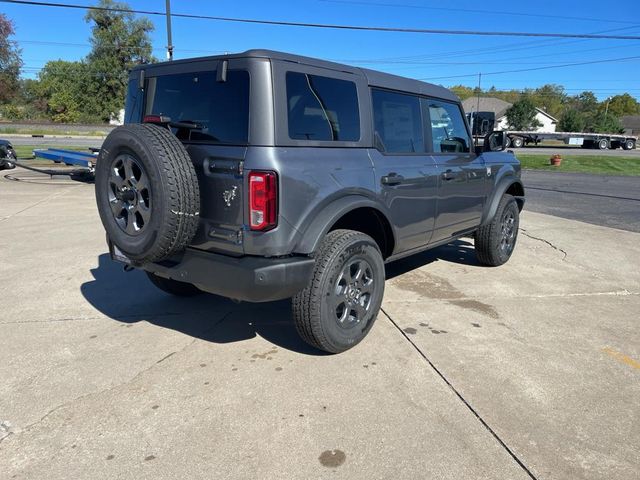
[322,108]
[213,111]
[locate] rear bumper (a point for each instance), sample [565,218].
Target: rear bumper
[252,279]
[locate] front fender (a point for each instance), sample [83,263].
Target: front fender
[503,184]
[319,226]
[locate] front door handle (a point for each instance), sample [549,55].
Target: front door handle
[392,179]
[449,175]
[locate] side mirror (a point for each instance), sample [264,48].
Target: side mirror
[495,142]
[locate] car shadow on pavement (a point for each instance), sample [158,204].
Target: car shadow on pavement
[129,297]
[460,251]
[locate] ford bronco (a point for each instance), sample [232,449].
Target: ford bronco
[262,176]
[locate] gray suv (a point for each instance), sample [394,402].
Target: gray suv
[262,176]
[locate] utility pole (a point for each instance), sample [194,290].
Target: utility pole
[169,42]
[477,107]
[606,110]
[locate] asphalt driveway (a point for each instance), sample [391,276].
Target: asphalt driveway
[607,200]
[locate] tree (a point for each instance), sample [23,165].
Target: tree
[63,88]
[621,105]
[10,61]
[462,92]
[572,121]
[605,123]
[586,102]
[522,115]
[551,98]
[119,42]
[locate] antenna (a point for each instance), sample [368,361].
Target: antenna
[169,42]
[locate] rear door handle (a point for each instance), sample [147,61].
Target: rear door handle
[392,179]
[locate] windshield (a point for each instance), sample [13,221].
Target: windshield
[208,110]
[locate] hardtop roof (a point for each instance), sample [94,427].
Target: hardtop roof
[374,78]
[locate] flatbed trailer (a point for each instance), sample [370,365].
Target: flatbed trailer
[600,141]
[68,157]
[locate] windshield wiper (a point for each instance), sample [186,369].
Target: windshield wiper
[190,124]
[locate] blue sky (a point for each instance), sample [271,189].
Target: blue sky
[412,55]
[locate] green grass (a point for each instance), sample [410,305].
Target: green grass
[44,131]
[604,165]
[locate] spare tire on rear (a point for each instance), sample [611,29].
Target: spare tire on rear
[147,192]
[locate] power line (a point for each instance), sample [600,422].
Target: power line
[537,44]
[468,10]
[332,26]
[409,59]
[122,46]
[535,68]
[518,60]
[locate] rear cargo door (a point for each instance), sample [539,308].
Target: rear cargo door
[208,105]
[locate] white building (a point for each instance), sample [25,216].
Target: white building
[500,107]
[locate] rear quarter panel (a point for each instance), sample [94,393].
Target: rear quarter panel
[309,180]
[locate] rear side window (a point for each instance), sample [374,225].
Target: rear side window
[212,111]
[448,130]
[398,122]
[322,108]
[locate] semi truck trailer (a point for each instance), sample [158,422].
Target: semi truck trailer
[485,122]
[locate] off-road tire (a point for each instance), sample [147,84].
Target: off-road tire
[174,287]
[174,192]
[314,313]
[489,238]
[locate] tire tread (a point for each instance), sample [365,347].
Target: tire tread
[306,305]
[486,236]
[180,182]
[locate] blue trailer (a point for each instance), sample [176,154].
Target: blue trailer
[85,161]
[69,157]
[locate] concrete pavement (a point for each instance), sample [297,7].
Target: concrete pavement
[530,370]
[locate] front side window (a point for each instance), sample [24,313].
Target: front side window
[209,110]
[322,108]
[398,122]
[448,130]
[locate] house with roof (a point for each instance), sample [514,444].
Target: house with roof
[500,107]
[631,124]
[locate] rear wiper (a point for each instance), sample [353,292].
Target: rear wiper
[190,124]
[166,121]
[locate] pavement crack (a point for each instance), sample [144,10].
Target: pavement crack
[464,400]
[524,232]
[30,426]
[46,199]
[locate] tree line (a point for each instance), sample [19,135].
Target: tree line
[92,90]
[575,113]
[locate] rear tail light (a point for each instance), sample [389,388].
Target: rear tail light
[263,200]
[159,119]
